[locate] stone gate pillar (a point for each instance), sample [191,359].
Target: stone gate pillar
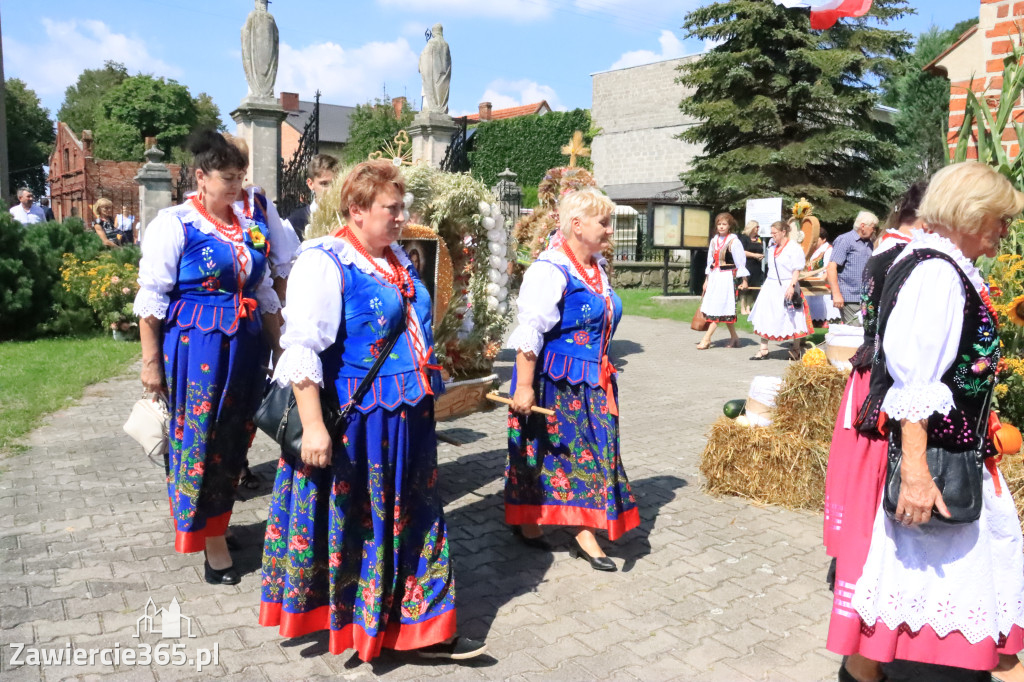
[154,180]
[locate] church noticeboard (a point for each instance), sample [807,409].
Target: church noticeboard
[668,227]
[696,227]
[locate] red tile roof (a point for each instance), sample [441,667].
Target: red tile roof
[513,112]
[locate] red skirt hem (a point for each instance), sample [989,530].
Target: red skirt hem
[555,515]
[190,542]
[397,636]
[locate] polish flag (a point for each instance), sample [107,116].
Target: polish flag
[825,13]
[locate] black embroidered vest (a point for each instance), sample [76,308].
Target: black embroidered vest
[870,298]
[970,378]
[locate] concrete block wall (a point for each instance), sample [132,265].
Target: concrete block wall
[637,110]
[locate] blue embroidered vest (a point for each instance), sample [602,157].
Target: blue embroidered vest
[208,295]
[574,347]
[371,310]
[970,378]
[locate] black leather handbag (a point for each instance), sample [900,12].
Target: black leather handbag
[958,476]
[278,415]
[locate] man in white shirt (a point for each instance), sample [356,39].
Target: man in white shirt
[25,212]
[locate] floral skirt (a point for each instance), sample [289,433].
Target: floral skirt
[565,470]
[214,387]
[360,548]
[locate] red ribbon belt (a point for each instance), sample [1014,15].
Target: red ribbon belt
[605,382]
[246,307]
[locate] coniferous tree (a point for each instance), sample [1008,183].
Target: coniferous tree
[787,111]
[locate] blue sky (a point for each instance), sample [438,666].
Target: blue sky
[505,51]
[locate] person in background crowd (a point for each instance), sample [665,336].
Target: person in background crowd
[207,310]
[104,226]
[127,227]
[26,212]
[726,262]
[775,316]
[850,254]
[931,592]
[44,203]
[566,469]
[753,249]
[822,310]
[319,177]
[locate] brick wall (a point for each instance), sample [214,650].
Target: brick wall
[977,64]
[637,110]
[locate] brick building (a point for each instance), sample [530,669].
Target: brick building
[487,112]
[975,61]
[78,180]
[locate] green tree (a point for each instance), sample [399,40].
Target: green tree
[790,111]
[922,100]
[208,114]
[30,136]
[81,108]
[372,126]
[149,106]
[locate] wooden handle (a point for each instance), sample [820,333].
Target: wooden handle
[508,401]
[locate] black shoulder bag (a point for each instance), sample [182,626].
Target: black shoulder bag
[798,299]
[278,415]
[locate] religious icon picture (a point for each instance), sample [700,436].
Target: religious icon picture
[423,255]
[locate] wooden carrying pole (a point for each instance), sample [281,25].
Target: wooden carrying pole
[494,397]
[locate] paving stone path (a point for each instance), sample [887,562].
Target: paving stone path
[709,588]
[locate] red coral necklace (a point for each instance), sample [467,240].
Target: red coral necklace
[592,280]
[398,277]
[234,233]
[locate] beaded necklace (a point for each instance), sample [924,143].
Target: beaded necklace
[398,277]
[594,280]
[987,300]
[233,233]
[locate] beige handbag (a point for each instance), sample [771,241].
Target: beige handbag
[148,424]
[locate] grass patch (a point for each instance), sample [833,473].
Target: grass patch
[641,302]
[39,377]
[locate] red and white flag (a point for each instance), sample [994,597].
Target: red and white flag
[825,13]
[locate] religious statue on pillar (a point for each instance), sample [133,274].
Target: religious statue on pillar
[259,51]
[436,70]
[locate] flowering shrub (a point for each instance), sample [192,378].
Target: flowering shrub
[1006,282]
[108,285]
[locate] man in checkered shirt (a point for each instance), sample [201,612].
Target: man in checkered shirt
[850,253]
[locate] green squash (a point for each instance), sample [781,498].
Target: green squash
[734,408]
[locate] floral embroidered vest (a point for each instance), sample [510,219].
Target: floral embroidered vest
[209,294]
[574,347]
[970,378]
[870,298]
[371,311]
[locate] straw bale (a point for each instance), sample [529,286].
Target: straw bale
[783,463]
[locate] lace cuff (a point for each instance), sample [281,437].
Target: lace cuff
[281,270]
[149,303]
[917,402]
[268,300]
[298,363]
[526,339]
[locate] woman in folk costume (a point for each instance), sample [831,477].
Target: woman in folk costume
[934,592]
[822,310]
[203,287]
[356,541]
[565,470]
[726,261]
[775,317]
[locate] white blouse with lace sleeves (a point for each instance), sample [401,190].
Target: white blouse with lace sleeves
[921,341]
[284,243]
[162,246]
[543,287]
[311,317]
[739,256]
[266,296]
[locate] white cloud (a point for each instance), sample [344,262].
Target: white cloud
[348,75]
[50,65]
[519,10]
[503,94]
[671,48]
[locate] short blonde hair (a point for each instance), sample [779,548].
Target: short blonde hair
[961,195]
[583,203]
[101,204]
[366,181]
[751,226]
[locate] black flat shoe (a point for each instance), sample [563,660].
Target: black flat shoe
[845,676]
[598,563]
[459,649]
[536,543]
[224,576]
[761,356]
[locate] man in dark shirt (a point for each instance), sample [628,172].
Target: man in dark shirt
[850,253]
[319,176]
[44,202]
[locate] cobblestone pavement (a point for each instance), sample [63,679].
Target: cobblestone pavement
[709,589]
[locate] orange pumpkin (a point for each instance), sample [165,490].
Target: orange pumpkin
[1007,440]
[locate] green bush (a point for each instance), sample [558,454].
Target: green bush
[32,301]
[528,145]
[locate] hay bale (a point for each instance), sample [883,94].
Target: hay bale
[783,463]
[1012,467]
